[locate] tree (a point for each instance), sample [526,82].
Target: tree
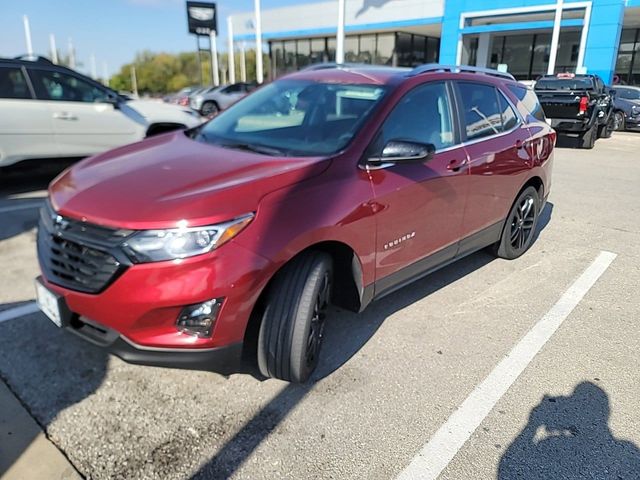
[159,73]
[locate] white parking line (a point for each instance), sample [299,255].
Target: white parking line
[15,208]
[452,435]
[16,312]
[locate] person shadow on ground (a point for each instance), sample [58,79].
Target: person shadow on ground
[568,438]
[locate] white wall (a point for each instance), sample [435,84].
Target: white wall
[324,15]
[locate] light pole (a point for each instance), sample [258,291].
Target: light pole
[243,63]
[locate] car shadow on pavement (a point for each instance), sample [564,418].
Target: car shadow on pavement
[569,438]
[31,175]
[18,209]
[49,373]
[345,334]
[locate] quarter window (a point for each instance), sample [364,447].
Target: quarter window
[52,85]
[13,84]
[423,116]
[482,116]
[509,117]
[529,101]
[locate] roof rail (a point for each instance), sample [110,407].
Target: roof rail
[328,65]
[33,58]
[436,67]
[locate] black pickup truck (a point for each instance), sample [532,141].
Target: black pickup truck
[578,106]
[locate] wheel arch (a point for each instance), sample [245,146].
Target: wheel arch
[163,127]
[347,291]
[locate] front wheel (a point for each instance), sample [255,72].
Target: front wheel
[209,109]
[292,325]
[519,229]
[618,121]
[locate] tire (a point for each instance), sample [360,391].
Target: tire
[519,230]
[588,139]
[606,130]
[209,109]
[618,121]
[290,334]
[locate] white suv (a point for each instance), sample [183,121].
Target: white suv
[49,111]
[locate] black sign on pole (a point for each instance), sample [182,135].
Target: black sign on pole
[202,18]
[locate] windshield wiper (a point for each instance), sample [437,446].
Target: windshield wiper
[251,147]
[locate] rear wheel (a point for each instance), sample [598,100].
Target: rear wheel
[209,109]
[293,320]
[588,139]
[519,229]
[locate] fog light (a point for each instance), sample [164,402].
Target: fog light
[199,319]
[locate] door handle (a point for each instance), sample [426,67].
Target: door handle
[64,116]
[456,165]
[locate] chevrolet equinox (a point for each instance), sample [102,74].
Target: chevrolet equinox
[224,244]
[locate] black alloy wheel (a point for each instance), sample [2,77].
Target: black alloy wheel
[519,229]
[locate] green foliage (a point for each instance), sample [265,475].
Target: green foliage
[158,73]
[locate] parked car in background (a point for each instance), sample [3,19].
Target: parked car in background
[182,97]
[49,111]
[215,99]
[579,106]
[626,104]
[226,243]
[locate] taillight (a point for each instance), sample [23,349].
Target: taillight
[584,103]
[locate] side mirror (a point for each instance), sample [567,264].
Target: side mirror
[403,151]
[115,101]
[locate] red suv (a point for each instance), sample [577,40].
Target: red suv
[337,184]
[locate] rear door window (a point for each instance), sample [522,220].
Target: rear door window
[13,84]
[481,110]
[52,85]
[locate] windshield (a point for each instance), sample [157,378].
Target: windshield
[628,93]
[294,117]
[552,83]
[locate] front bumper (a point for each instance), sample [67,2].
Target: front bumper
[632,122]
[225,360]
[142,305]
[570,126]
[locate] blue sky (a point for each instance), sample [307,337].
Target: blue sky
[114,30]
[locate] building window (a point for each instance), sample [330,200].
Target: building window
[385,49]
[393,48]
[628,62]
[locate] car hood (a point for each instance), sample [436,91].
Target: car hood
[159,112]
[170,178]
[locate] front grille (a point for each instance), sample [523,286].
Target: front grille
[78,255]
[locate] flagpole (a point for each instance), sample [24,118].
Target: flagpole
[231,61]
[27,34]
[214,58]
[54,49]
[340,34]
[258,14]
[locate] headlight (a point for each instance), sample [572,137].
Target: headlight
[158,245]
[635,111]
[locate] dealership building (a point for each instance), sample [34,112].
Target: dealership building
[596,36]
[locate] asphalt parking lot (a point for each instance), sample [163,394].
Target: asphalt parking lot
[391,377]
